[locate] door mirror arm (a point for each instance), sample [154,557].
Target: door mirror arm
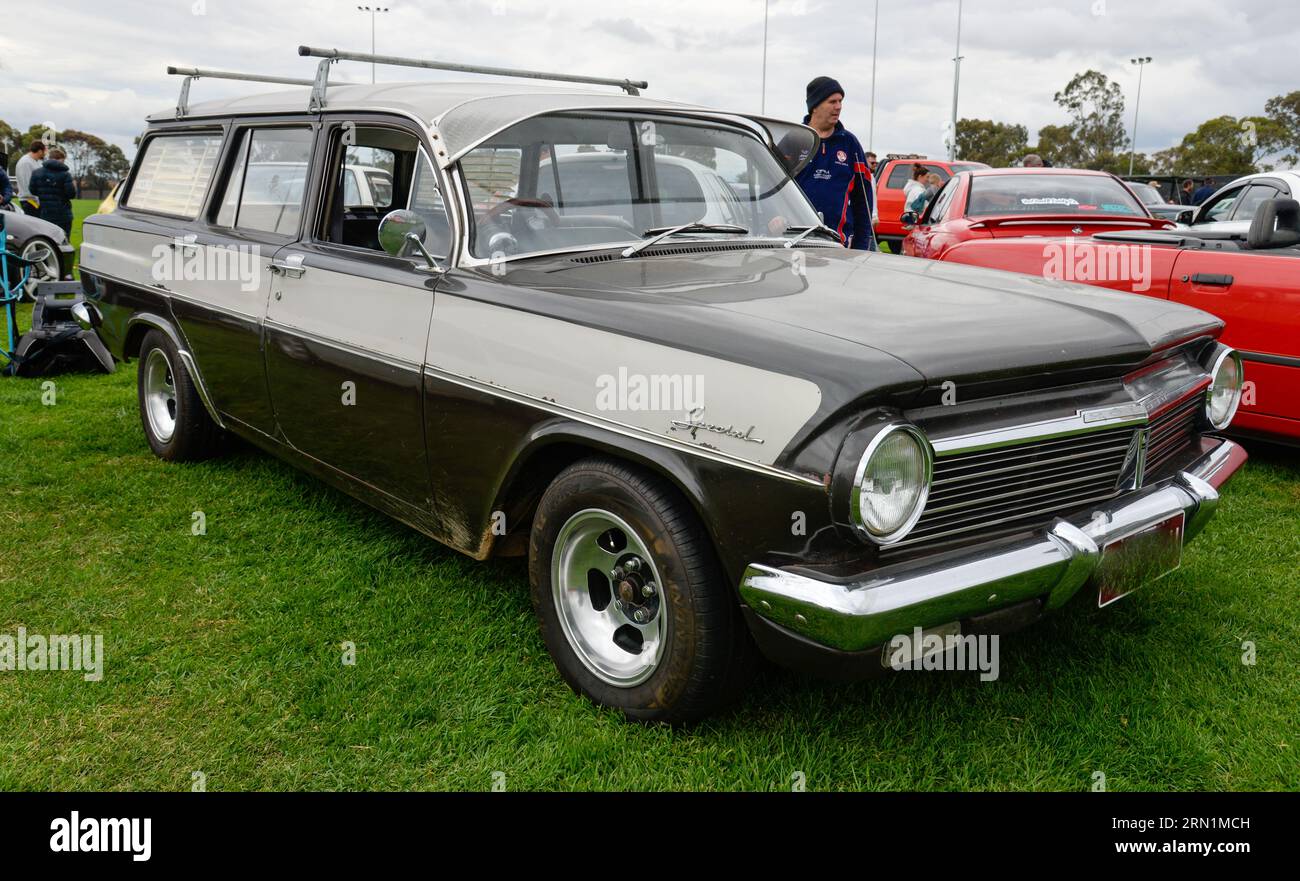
[418,244]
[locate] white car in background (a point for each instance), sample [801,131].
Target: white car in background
[1228,213]
[690,190]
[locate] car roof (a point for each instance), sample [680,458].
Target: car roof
[986,172]
[1291,176]
[461,114]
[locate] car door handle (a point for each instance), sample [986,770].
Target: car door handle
[1215,279]
[288,270]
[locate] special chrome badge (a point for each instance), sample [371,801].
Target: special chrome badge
[694,424]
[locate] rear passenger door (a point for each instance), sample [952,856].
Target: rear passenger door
[256,211]
[347,323]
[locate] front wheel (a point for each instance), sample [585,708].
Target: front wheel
[632,603]
[176,425]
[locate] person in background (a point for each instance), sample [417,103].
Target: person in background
[52,184]
[872,162]
[6,188]
[914,190]
[1033,160]
[1204,191]
[933,183]
[28,163]
[1185,194]
[837,180]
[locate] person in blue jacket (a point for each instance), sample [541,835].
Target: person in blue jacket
[52,183]
[837,180]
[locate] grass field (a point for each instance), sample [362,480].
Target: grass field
[223,651]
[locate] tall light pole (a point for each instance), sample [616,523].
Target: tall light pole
[762,101]
[875,38]
[956,83]
[373,10]
[1141,63]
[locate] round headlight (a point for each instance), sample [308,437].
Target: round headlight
[892,483]
[1224,393]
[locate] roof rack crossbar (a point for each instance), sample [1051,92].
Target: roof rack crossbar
[329,56]
[193,73]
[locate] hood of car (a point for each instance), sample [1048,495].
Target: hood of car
[989,330]
[23,227]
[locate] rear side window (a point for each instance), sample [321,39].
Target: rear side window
[174,173]
[265,189]
[1249,204]
[901,173]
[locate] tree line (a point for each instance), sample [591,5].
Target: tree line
[1095,136]
[93,162]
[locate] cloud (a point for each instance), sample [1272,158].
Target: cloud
[105,72]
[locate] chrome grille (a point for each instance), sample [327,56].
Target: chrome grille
[992,492]
[1171,433]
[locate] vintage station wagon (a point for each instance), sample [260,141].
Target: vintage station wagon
[609,333]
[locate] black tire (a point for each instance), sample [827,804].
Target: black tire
[195,436]
[708,656]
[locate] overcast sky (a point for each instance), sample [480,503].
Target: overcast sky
[1212,57]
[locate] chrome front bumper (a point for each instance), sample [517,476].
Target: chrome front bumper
[864,612]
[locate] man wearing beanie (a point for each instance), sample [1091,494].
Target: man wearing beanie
[837,180]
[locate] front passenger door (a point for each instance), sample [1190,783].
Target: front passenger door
[347,325]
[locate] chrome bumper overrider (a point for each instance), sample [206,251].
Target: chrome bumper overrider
[860,613]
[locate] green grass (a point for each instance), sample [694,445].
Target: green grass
[223,651]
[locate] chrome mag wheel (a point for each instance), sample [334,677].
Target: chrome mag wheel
[160,395]
[609,597]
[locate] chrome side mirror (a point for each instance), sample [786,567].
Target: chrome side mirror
[401,233]
[394,229]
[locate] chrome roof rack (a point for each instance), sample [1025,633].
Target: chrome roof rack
[193,73]
[330,56]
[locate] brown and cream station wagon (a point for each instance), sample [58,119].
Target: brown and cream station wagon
[609,332]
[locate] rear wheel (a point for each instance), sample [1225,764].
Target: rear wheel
[175,422]
[632,602]
[45,256]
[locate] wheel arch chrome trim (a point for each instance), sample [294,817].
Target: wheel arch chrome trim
[165,326]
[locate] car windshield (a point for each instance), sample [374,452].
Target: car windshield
[999,194]
[1147,193]
[568,181]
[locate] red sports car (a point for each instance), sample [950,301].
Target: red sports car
[997,203]
[1252,282]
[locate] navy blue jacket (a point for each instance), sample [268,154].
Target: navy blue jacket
[1201,194]
[838,183]
[52,184]
[6,188]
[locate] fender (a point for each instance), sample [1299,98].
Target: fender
[164,325]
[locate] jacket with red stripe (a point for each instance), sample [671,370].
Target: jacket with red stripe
[839,185]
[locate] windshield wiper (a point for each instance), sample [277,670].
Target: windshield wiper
[659,233]
[806,231]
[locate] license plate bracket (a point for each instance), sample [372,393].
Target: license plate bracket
[1139,558]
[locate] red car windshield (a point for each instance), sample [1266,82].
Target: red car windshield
[1083,194]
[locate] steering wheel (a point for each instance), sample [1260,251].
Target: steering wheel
[494,213]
